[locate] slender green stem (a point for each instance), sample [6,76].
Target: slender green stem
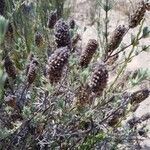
[106,23]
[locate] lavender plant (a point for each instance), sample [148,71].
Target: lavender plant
[54,97]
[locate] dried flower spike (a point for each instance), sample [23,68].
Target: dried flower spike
[116,38]
[136,120]
[2,7]
[39,39]
[9,32]
[10,68]
[72,24]
[98,80]
[145,117]
[62,34]
[83,97]
[147,5]
[115,117]
[30,59]
[114,120]
[11,101]
[88,53]
[52,19]
[32,71]
[136,17]
[139,96]
[56,63]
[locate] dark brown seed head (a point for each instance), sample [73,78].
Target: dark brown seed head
[133,121]
[145,117]
[32,71]
[136,120]
[147,5]
[11,101]
[9,32]
[116,38]
[62,34]
[139,96]
[113,121]
[39,39]
[10,68]
[56,63]
[98,80]
[2,7]
[72,24]
[136,17]
[52,19]
[115,117]
[82,97]
[88,53]
[30,58]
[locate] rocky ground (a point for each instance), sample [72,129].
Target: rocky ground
[84,12]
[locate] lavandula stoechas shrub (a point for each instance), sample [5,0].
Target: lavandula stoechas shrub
[56,98]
